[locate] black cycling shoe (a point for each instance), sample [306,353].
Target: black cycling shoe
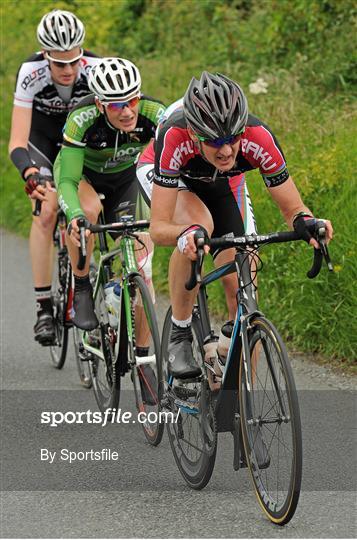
[83,315]
[148,384]
[182,364]
[44,329]
[259,447]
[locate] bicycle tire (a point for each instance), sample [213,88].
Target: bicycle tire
[270,421]
[60,289]
[105,372]
[147,371]
[195,468]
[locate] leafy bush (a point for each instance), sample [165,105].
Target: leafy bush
[303,49]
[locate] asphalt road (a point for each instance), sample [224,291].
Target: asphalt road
[143,494]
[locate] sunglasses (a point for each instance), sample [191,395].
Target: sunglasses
[119,105]
[217,143]
[63,63]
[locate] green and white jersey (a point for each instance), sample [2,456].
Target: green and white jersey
[106,149]
[90,143]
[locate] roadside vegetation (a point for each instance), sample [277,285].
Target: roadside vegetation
[303,53]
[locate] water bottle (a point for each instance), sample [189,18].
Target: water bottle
[210,348]
[116,301]
[112,291]
[223,345]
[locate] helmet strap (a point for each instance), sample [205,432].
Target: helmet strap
[108,121]
[198,143]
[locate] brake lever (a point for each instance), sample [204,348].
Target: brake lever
[81,222]
[321,234]
[320,253]
[199,261]
[326,255]
[196,266]
[38,206]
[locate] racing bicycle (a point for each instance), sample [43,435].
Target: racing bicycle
[62,296]
[111,350]
[255,399]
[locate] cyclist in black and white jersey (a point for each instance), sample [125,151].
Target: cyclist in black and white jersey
[49,84]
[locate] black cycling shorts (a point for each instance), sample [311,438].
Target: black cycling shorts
[227,200]
[120,190]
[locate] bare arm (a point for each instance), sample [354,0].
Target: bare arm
[20,131]
[163,229]
[20,127]
[289,200]
[290,203]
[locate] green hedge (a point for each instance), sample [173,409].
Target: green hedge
[304,50]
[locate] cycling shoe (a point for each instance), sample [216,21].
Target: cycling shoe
[44,329]
[82,314]
[148,384]
[181,363]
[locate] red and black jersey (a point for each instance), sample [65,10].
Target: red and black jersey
[176,156]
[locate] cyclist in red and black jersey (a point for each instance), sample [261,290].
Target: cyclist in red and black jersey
[194,174]
[49,84]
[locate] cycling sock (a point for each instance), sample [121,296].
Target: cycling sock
[43,300]
[182,324]
[142,351]
[82,283]
[179,333]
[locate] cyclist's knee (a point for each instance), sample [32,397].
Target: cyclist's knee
[230,283]
[92,212]
[205,220]
[144,260]
[207,223]
[145,265]
[47,218]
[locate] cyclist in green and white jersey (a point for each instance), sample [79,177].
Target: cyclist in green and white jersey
[102,140]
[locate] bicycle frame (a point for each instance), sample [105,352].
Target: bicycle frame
[59,238]
[247,307]
[125,252]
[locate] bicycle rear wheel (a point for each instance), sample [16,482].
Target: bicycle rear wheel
[193,436]
[146,370]
[270,421]
[104,367]
[60,291]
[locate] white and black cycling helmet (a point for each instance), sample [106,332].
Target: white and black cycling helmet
[114,79]
[60,31]
[215,106]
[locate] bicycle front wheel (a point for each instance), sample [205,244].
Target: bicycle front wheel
[146,367]
[270,420]
[193,434]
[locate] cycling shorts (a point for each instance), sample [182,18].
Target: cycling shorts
[227,200]
[121,191]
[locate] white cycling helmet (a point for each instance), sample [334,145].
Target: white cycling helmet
[60,31]
[114,79]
